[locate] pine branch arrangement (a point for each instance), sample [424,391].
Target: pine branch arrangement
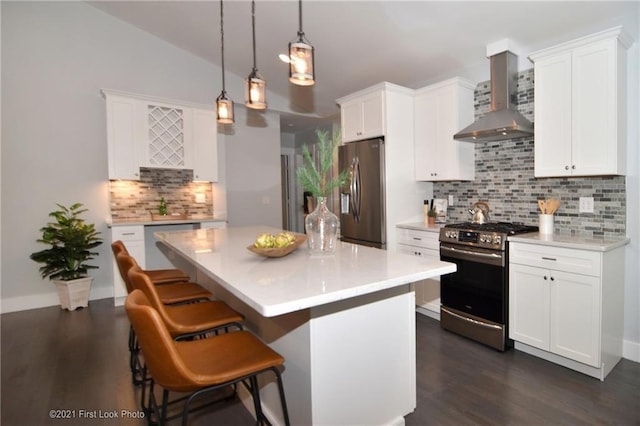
[314,177]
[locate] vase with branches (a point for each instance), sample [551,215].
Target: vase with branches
[321,225]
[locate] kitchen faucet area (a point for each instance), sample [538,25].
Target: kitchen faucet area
[409,213]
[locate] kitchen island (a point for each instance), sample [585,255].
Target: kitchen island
[345,323]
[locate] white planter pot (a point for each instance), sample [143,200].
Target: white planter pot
[73,294]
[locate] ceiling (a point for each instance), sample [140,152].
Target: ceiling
[361,43]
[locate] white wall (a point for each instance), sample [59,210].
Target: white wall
[56,56]
[253,171]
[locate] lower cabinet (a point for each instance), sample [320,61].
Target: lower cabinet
[567,303]
[423,243]
[133,238]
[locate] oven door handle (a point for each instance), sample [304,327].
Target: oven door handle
[474,321]
[473,256]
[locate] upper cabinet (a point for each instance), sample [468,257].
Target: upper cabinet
[151,132]
[362,115]
[440,111]
[122,150]
[580,106]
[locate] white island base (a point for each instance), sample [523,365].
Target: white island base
[345,324]
[347,363]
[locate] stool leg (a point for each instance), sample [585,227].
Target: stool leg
[283,401]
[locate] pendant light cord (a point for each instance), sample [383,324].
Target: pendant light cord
[222,43]
[253,29]
[300,32]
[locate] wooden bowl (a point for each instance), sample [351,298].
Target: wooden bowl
[278,251]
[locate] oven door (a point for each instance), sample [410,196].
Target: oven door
[478,286]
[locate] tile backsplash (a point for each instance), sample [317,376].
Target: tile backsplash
[504,178]
[135,199]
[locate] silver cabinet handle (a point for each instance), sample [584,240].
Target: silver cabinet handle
[549,258]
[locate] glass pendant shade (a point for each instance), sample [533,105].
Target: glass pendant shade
[255,87]
[301,63]
[224,105]
[255,91]
[224,109]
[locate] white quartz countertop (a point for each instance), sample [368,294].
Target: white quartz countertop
[568,241]
[421,226]
[275,286]
[148,221]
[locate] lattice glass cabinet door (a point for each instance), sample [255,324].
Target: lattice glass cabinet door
[166,137]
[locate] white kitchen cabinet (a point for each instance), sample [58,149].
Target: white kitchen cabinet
[441,110]
[363,116]
[133,238]
[580,106]
[205,145]
[565,305]
[423,243]
[144,131]
[122,149]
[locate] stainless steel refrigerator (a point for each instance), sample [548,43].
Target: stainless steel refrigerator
[362,201]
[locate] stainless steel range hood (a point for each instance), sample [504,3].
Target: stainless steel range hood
[503,121]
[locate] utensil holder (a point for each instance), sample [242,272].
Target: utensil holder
[546,224]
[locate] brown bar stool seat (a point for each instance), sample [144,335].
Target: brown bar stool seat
[202,365]
[186,319]
[157,276]
[170,292]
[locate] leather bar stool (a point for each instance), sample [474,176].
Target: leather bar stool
[183,321]
[201,365]
[158,276]
[173,289]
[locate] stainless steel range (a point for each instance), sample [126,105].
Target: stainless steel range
[474,299]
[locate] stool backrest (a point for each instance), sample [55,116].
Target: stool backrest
[125,263]
[158,347]
[140,281]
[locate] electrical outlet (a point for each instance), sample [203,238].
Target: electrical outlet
[451,200]
[586,205]
[200,198]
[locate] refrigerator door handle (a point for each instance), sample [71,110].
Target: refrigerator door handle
[355,189]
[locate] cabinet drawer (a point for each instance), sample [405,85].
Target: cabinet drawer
[418,251]
[556,258]
[128,233]
[417,238]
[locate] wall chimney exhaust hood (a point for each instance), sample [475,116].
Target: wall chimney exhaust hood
[503,121]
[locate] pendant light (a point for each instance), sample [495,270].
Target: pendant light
[224,105]
[301,70]
[255,86]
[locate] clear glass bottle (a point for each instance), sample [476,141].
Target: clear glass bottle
[321,226]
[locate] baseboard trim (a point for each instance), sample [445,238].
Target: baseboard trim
[631,350]
[45,300]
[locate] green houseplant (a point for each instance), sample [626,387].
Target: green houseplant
[321,225]
[71,243]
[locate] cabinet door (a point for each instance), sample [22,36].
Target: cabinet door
[575,317]
[351,121]
[162,133]
[363,118]
[121,138]
[552,110]
[427,291]
[529,305]
[373,117]
[204,145]
[594,149]
[426,137]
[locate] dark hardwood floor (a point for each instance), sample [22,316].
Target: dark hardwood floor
[58,360]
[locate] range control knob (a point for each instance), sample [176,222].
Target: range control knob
[497,240]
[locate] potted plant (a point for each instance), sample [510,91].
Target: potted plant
[321,225]
[71,241]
